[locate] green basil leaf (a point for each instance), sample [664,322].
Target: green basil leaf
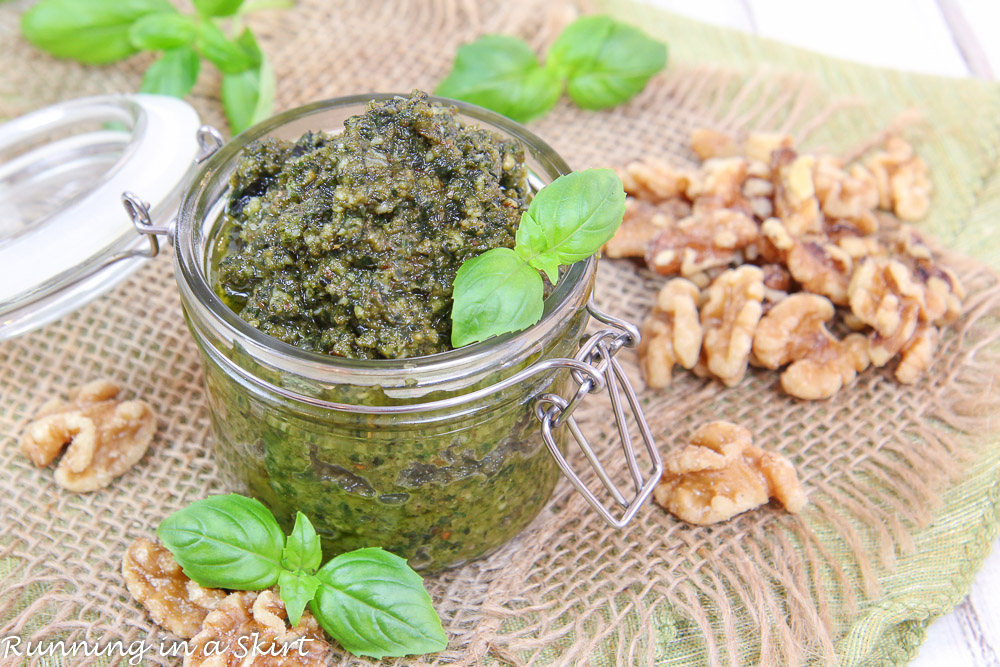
[302,548]
[248,97]
[217,7]
[227,541]
[502,73]
[371,602]
[296,590]
[175,73]
[494,293]
[90,31]
[229,56]
[570,219]
[160,32]
[606,62]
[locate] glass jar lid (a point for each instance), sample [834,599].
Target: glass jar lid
[64,237]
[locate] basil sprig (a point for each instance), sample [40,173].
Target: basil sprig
[601,61]
[567,221]
[369,600]
[96,32]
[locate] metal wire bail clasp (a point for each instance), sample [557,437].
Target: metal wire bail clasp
[555,411]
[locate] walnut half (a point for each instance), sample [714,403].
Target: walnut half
[722,474]
[671,334]
[259,617]
[106,435]
[729,318]
[794,332]
[156,581]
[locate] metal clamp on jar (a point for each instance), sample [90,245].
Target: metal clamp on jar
[441,458]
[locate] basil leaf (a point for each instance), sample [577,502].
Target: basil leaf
[494,293]
[302,548]
[160,32]
[227,541]
[248,97]
[606,62]
[217,7]
[296,590]
[229,56]
[570,219]
[90,31]
[502,73]
[175,73]
[371,602]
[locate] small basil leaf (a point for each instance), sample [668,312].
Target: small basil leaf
[371,602]
[302,548]
[606,62]
[229,56]
[175,73]
[296,590]
[93,32]
[248,97]
[570,219]
[225,541]
[502,73]
[160,32]
[494,293]
[217,7]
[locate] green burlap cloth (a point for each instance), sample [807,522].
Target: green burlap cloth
[903,482]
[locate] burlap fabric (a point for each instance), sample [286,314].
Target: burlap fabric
[902,480]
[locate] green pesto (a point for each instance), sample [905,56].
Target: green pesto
[348,244]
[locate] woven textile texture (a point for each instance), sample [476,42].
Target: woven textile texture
[903,481]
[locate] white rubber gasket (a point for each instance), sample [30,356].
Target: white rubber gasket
[50,268]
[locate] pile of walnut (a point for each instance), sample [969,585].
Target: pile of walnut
[722,474]
[106,435]
[218,623]
[773,247]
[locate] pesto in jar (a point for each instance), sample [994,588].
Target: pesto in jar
[348,243]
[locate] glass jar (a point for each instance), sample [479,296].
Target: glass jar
[439,459]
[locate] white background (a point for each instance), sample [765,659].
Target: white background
[947,37]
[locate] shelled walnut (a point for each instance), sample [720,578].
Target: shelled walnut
[815,224]
[244,613]
[672,333]
[156,581]
[106,435]
[722,474]
[729,318]
[794,332]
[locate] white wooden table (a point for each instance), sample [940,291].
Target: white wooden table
[946,37]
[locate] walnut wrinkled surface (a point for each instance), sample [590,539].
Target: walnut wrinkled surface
[729,318]
[654,180]
[243,613]
[794,332]
[641,223]
[106,435]
[156,581]
[722,474]
[917,355]
[884,295]
[671,334]
[701,241]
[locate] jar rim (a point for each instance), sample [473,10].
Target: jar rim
[193,276]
